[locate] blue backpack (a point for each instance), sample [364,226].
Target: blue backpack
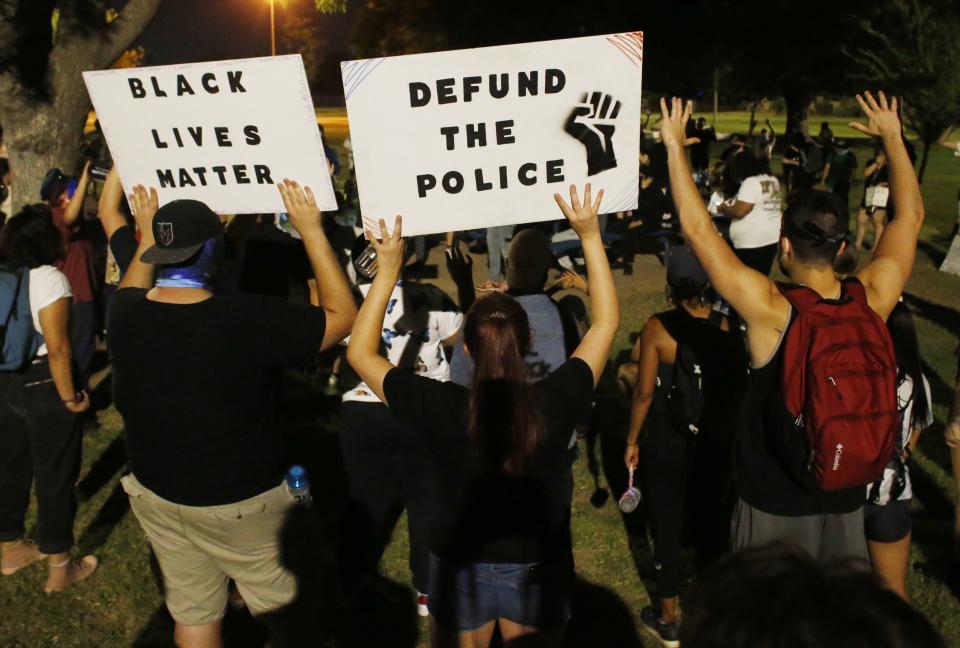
[19,341]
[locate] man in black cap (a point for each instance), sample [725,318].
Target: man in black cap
[195,378]
[775,502]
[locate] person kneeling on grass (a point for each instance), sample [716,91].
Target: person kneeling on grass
[500,447]
[195,382]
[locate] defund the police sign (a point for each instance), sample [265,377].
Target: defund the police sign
[223,132]
[482,137]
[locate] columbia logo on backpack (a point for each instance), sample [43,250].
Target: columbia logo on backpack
[839,382]
[19,341]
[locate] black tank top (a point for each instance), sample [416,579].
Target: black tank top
[771,451]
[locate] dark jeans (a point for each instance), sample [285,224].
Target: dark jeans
[84,340]
[389,467]
[759,258]
[41,439]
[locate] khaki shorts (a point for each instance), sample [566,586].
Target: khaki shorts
[200,548]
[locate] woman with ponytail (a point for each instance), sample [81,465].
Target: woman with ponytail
[498,555]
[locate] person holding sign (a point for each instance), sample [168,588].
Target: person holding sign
[195,381]
[873,206]
[496,541]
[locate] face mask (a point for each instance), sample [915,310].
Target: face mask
[198,274]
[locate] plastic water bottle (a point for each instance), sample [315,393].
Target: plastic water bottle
[630,498]
[298,484]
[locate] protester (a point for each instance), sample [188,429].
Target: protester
[952,437]
[779,596]
[498,238]
[78,264]
[40,406]
[875,174]
[388,462]
[195,381]
[671,453]
[794,160]
[887,519]
[700,151]
[775,500]
[764,142]
[839,167]
[499,446]
[756,212]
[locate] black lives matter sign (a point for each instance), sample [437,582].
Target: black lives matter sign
[223,132]
[476,138]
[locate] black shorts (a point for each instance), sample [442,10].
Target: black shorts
[889,523]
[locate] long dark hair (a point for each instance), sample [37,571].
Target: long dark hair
[30,239]
[505,422]
[909,363]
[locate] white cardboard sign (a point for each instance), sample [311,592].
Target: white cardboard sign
[223,132]
[483,137]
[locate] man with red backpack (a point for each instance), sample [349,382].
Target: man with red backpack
[820,419]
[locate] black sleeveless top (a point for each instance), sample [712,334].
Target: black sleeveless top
[770,452]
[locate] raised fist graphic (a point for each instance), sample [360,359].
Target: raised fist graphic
[593,122]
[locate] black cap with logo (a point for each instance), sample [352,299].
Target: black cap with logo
[180,228]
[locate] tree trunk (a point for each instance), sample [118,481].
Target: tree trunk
[43,127]
[798,97]
[923,160]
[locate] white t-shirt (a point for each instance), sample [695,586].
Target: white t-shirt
[47,285]
[431,361]
[905,405]
[762,225]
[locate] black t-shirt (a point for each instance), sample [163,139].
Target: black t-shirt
[487,515]
[196,385]
[771,453]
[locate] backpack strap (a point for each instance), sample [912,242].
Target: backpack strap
[853,289]
[800,297]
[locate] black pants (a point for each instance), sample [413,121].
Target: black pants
[39,438]
[759,258]
[666,457]
[390,467]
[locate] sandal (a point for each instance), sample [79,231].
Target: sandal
[23,556]
[76,570]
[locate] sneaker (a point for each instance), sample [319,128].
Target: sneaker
[666,632]
[422,609]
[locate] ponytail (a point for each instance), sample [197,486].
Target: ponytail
[505,421]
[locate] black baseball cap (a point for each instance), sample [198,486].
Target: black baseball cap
[180,228]
[54,183]
[683,265]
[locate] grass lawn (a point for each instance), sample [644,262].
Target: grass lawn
[122,606]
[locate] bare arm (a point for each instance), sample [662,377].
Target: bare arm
[75,207]
[594,348]
[108,209]
[739,209]
[363,352]
[648,361]
[887,272]
[749,292]
[54,320]
[144,206]
[333,291]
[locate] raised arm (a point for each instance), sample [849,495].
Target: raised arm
[748,291]
[363,352]
[887,272]
[333,291]
[75,207]
[108,209]
[144,205]
[594,348]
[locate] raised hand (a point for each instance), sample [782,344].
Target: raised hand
[301,206]
[389,249]
[673,128]
[144,205]
[575,281]
[883,120]
[582,216]
[593,122]
[459,265]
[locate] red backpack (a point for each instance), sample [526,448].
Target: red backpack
[839,382]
